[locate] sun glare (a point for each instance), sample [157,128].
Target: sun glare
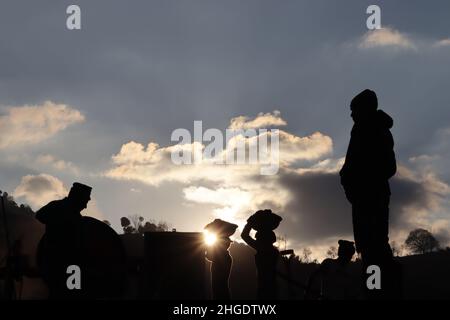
[210,238]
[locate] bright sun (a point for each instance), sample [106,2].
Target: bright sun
[210,238]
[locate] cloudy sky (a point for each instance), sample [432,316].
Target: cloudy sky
[98,105]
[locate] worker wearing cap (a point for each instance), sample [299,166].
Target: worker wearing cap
[63,241]
[333,280]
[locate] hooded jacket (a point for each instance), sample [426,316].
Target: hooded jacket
[370,159]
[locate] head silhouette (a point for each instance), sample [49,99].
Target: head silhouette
[346,250]
[363,106]
[79,195]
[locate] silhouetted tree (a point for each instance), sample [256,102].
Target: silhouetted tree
[136,220]
[163,226]
[396,250]
[306,255]
[421,241]
[281,242]
[148,227]
[140,226]
[152,227]
[126,225]
[332,252]
[13,208]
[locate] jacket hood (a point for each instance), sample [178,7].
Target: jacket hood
[384,120]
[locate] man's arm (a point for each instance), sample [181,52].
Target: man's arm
[391,163]
[348,166]
[245,235]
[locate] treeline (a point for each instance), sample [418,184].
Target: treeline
[419,241]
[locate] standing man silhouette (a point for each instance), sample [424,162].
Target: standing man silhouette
[369,164]
[63,240]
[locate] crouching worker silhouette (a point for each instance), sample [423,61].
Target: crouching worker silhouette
[221,260]
[63,241]
[369,164]
[266,258]
[332,280]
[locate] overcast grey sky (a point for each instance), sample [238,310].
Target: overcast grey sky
[137,70]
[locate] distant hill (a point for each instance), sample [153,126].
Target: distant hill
[427,276]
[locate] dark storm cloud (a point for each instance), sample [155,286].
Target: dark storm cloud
[318,208]
[408,196]
[147,67]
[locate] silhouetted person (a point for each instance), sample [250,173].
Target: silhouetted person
[369,164]
[332,280]
[63,239]
[221,260]
[266,258]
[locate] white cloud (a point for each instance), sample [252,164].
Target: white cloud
[34,123]
[237,190]
[313,147]
[221,196]
[262,120]
[230,201]
[152,164]
[386,37]
[423,158]
[443,43]
[57,164]
[38,190]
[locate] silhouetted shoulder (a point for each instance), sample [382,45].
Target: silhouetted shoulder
[326,264]
[47,212]
[384,120]
[385,150]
